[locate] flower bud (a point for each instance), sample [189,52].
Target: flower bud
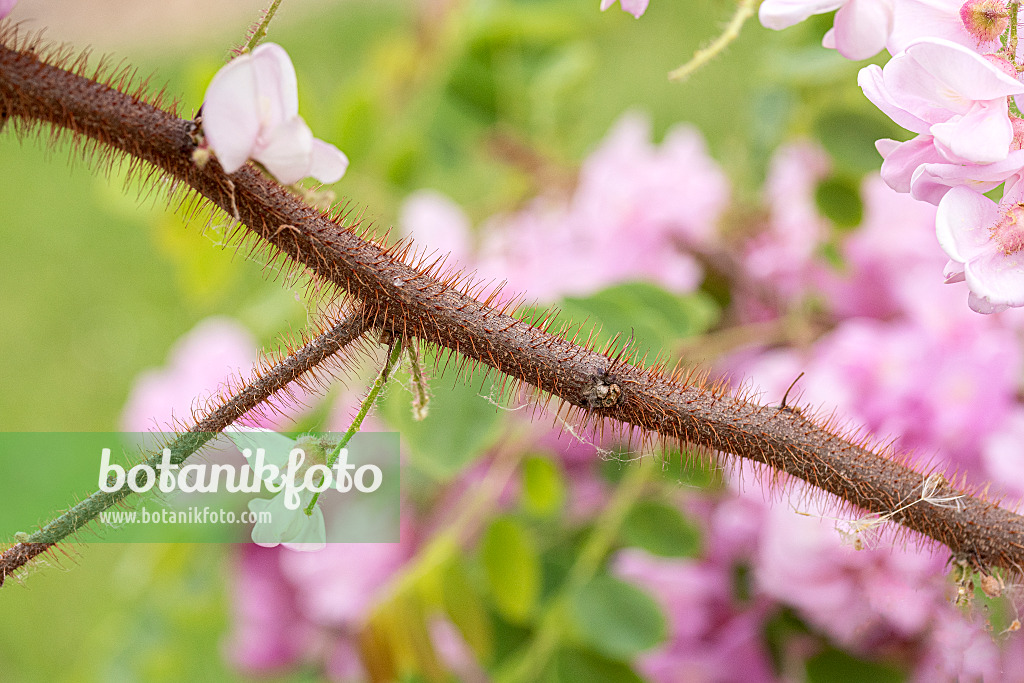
[985,20]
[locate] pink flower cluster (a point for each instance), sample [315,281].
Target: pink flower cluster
[954,85]
[637,212]
[900,364]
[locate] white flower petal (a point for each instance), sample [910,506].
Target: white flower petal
[231,123]
[780,14]
[276,84]
[964,70]
[962,222]
[329,162]
[277,447]
[288,153]
[293,528]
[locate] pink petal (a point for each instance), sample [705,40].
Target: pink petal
[983,135]
[780,14]
[635,7]
[962,223]
[964,70]
[875,84]
[329,163]
[979,305]
[861,27]
[953,272]
[915,19]
[6,6]
[289,152]
[231,123]
[902,159]
[997,278]
[276,84]
[931,181]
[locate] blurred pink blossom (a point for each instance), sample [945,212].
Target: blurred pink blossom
[293,608]
[782,257]
[1003,457]
[636,211]
[634,7]
[197,365]
[713,636]
[268,631]
[251,111]
[6,6]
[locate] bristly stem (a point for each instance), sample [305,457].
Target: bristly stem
[744,11]
[247,398]
[420,386]
[413,302]
[259,31]
[364,409]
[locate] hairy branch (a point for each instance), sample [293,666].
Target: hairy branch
[249,397]
[415,302]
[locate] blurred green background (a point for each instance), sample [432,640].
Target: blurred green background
[96,284]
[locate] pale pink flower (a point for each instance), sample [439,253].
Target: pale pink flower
[6,6]
[917,166]
[1001,454]
[268,632]
[634,7]
[438,225]
[916,19]
[636,211]
[987,240]
[783,255]
[860,29]
[939,88]
[251,111]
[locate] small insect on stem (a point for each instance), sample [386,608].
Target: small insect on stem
[603,392]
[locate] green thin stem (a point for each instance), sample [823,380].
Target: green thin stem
[420,387]
[600,542]
[259,32]
[744,11]
[364,409]
[262,387]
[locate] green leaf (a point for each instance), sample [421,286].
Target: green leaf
[616,618]
[836,666]
[461,426]
[661,530]
[465,607]
[838,199]
[655,317]
[849,138]
[586,665]
[512,566]
[543,486]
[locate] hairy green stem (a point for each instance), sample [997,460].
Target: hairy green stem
[530,665]
[250,396]
[364,409]
[259,32]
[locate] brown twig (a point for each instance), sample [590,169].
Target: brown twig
[414,302]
